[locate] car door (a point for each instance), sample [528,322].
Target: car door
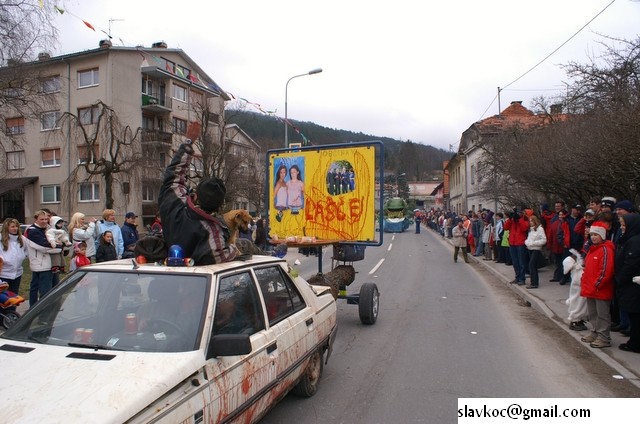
[239,383]
[290,319]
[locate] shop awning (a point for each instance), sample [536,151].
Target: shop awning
[9,184]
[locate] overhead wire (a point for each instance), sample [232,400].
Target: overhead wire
[547,57]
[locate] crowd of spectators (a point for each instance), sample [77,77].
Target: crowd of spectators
[605,237]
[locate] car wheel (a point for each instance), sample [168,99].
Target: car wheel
[10,317]
[308,384]
[368,303]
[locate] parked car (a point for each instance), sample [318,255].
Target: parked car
[124,342]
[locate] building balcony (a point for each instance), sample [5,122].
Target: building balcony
[157,137]
[156,103]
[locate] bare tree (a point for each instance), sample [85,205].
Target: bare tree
[590,152]
[26,29]
[111,149]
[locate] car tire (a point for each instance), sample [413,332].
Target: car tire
[368,303]
[10,317]
[308,384]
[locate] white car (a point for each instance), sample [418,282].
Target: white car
[122,342]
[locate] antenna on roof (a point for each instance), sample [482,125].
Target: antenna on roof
[110,21]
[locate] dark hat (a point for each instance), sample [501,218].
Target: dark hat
[626,205]
[608,201]
[211,194]
[577,206]
[130,215]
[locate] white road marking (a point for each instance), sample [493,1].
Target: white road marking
[375,268]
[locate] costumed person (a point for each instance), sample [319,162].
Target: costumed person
[189,220]
[577,305]
[58,238]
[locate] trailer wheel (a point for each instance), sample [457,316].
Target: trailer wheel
[368,303]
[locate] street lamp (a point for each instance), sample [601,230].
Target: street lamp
[398,176]
[286,88]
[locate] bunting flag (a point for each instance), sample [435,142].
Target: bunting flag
[41,3]
[273,114]
[179,72]
[59,10]
[88,24]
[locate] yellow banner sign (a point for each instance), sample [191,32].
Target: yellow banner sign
[323,194]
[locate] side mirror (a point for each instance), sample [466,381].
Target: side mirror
[229,345]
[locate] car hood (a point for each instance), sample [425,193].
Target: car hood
[63,384]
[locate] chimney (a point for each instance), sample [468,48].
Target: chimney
[517,102]
[159,45]
[42,56]
[105,44]
[556,109]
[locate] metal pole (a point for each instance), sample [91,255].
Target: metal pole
[286,115]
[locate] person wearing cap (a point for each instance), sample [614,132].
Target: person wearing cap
[626,268]
[589,216]
[130,234]
[597,285]
[558,240]
[189,219]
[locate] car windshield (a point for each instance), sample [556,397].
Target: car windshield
[149,312]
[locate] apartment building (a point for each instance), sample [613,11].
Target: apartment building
[156,93]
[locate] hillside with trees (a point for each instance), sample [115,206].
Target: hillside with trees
[418,161]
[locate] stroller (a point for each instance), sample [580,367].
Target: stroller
[8,301]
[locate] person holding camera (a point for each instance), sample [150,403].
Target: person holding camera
[518,227]
[460,241]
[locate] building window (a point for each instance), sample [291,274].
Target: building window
[50,84]
[50,157]
[179,126]
[473,174]
[88,78]
[50,193]
[147,86]
[149,192]
[14,92]
[89,192]
[88,115]
[15,160]
[179,93]
[49,120]
[15,125]
[87,154]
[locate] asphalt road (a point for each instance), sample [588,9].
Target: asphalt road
[444,331]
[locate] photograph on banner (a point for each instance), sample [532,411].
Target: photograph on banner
[323,194]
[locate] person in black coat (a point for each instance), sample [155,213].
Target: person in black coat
[106,249]
[627,266]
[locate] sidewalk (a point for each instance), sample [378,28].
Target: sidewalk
[549,299]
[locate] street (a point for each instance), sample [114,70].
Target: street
[445,330]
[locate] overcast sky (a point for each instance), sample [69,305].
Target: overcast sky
[411,70]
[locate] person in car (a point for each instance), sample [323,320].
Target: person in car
[189,219]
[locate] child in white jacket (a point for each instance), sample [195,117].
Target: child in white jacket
[576,303]
[58,238]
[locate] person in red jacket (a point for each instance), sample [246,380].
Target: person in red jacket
[559,243]
[518,226]
[597,285]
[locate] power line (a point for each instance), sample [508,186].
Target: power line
[561,45]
